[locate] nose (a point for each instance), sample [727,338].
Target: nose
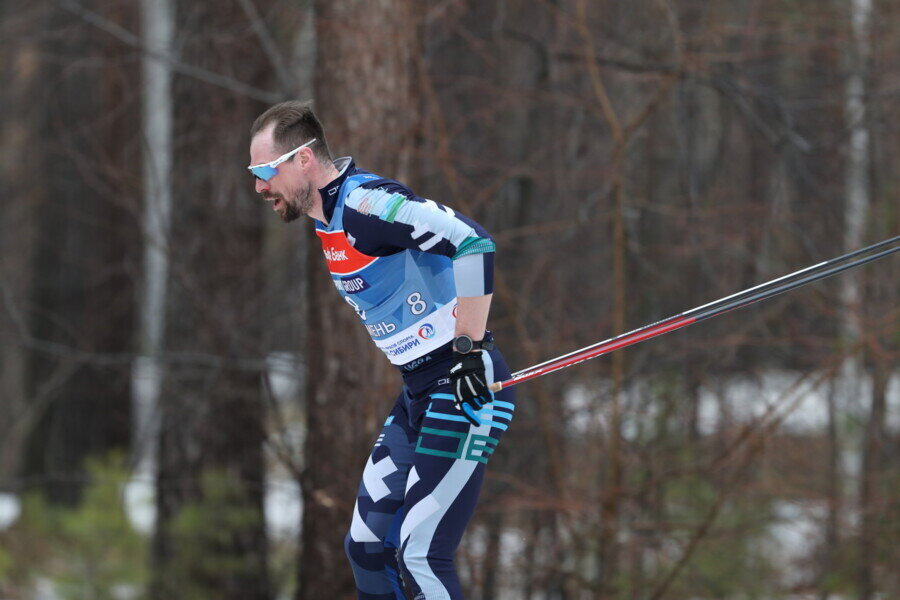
[261,185]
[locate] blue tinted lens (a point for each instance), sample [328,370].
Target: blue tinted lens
[264,172]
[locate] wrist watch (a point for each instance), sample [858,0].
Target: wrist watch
[464,344]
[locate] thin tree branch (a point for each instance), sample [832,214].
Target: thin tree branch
[199,73]
[268,46]
[590,60]
[112,359]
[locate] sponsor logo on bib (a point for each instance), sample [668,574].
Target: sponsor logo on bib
[342,258]
[351,285]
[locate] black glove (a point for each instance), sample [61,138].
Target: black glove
[470,387]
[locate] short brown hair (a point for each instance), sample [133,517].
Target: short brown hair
[295,124]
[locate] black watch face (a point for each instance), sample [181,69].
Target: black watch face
[463,344]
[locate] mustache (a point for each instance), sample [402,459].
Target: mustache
[268,196]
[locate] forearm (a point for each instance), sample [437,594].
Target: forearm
[472,315]
[474,276]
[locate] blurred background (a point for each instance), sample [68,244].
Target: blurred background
[159,437]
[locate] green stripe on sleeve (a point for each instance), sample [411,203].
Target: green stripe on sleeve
[394,204]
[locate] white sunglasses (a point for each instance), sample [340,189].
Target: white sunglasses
[267,171]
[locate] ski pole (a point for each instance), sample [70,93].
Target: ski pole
[717,307]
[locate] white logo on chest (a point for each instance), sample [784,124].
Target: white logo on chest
[335,255]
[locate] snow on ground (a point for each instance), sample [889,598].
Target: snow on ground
[793,538]
[10,509]
[801,397]
[282,503]
[737,399]
[139,500]
[283,507]
[749,397]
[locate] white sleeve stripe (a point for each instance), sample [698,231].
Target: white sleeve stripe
[431,242]
[427,215]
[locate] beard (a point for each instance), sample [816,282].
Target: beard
[296,202]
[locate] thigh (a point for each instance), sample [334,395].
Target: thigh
[449,459]
[383,484]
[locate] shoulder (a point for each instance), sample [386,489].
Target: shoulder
[377,197]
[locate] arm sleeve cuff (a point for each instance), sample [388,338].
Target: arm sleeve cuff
[474,245]
[474,274]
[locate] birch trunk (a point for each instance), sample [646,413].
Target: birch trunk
[857,180]
[158,26]
[856,211]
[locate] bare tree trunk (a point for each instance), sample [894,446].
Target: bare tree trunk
[158,28]
[856,212]
[80,294]
[364,96]
[611,504]
[870,500]
[210,538]
[491,566]
[857,176]
[834,496]
[17,220]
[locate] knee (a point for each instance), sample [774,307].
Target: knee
[361,539]
[348,543]
[355,548]
[362,563]
[412,560]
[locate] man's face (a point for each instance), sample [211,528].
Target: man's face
[290,190]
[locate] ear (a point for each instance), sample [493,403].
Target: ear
[306,157]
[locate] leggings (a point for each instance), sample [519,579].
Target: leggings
[421,483]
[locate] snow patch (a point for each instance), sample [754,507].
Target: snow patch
[10,509]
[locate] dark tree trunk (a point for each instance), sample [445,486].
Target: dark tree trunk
[364,97]
[17,221]
[870,497]
[210,540]
[81,295]
[831,542]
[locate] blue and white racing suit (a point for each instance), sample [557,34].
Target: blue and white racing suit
[401,262]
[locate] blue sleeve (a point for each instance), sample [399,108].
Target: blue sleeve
[383,217]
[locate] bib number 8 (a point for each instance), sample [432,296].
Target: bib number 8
[416,305]
[356,307]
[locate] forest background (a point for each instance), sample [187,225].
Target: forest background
[159,437]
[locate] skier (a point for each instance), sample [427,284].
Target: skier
[420,277]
